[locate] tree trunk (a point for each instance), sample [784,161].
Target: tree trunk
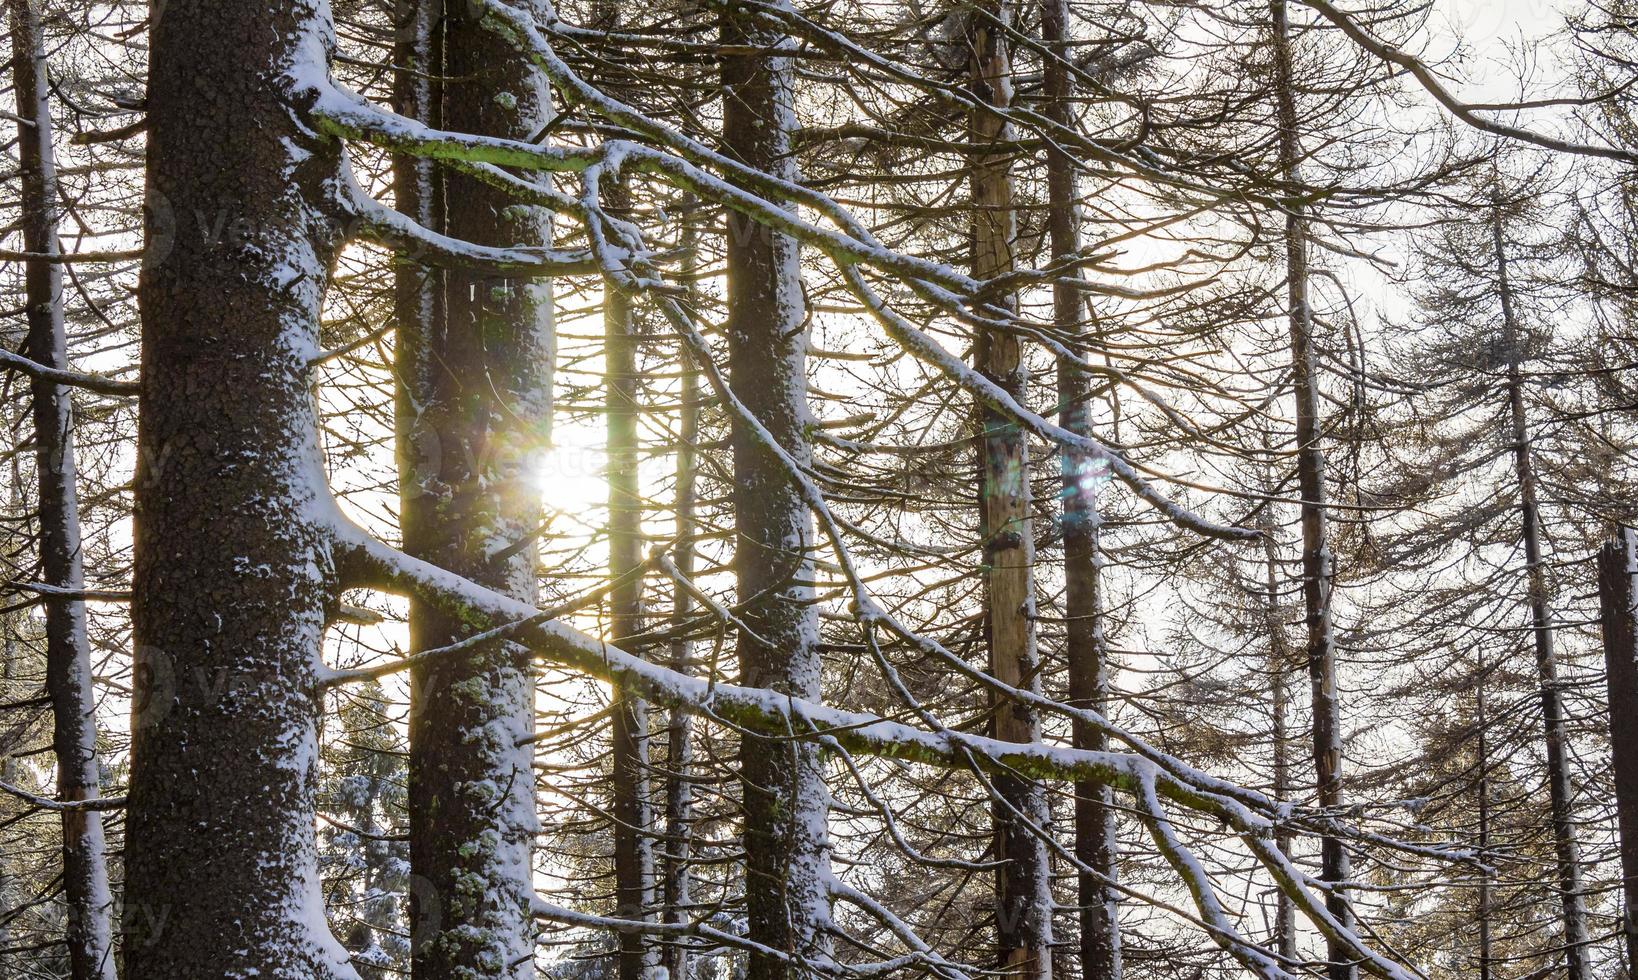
[233,562]
[478,429]
[1618,608]
[1279,661]
[1541,622]
[1483,789]
[1317,567]
[633,853]
[1023,883]
[68,653]
[785,799]
[679,747]
[1087,652]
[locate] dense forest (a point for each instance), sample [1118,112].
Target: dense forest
[818,489]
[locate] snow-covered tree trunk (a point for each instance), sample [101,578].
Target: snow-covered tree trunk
[786,802]
[1317,561]
[633,847]
[1095,844]
[1541,625]
[234,571]
[1023,882]
[1618,607]
[68,653]
[478,430]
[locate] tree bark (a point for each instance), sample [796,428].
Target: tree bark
[786,802]
[1279,661]
[1483,789]
[478,429]
[1023,883]
[1574,915]
[1085,647]
[234,572]
[1317,564]
[68,654]
[677,886]
[1618,612]
[633,850]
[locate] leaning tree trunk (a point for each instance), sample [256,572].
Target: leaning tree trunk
[1541,626]
[633,851]
[1085,647]
[234,571]
[1618,609]
[478,427]
[68,653]
[786,802]
[1023,882]
[1317,570]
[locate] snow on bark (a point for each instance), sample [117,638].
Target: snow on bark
[479,421]
[68,654]
[233,563]
[1618,608]
[785,799]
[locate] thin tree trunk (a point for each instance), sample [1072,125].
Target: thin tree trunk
[1317,566]
[1541,622]
[1484,910]
[1087,652]
[785,799]
[679,747]
[234,569]
[1279,661]
[633,851]
[1618,606]
[68,653]
[482,422]
[1023,883]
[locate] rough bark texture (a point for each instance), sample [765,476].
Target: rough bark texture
[1574,913]
[478,430]
[233,562]
[68,654]
[1095,846]
[1317,570]
[633,848]
[1023,883]
[785,798]
[1618,609]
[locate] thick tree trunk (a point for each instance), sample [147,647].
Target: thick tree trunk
[633,850]
[1541,623]
[1317,570]
[233,562]
[68,653]
[478,428]
[1618,607]
[1095,846]
[1023,884]
[785,799]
